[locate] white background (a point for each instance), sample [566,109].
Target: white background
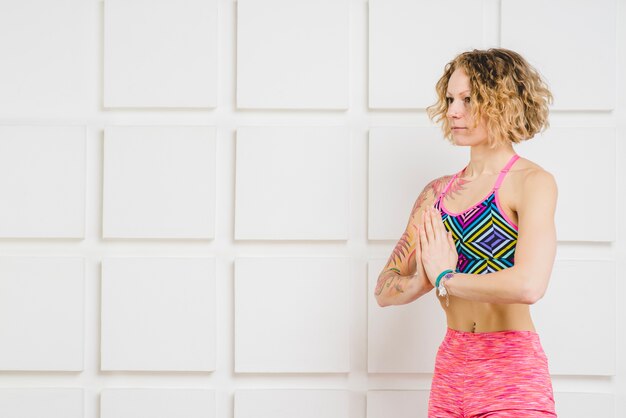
[196,197]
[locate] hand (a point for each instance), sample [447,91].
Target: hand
[435,245]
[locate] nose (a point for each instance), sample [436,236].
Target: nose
[455,109]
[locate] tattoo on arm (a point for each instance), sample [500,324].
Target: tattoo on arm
[406,243]
[404,251]
[387,279]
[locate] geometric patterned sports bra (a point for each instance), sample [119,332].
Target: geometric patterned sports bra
[484,236]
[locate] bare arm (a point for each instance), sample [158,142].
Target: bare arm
[527,280]
[402,280]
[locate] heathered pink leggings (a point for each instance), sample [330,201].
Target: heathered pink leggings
[491,374]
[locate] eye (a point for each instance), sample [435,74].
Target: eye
[467,99]
[448,100]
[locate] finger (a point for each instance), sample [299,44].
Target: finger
[428,226]
[451,241]
[422,233]
[418,249]
[437,219]
[440,223]
[435,225]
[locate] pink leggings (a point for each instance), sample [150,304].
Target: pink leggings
[491,374]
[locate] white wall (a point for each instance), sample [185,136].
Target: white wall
[196,197]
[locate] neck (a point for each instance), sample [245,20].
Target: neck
[487,162]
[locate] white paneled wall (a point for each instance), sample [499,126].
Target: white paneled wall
[298,58]
[42,181]
[397,403]
[292,403]
[160,53]
[407,36]
[42,402]
[589,331]
[158,314]
[197,196]
[305,332]
[157,403]
[47,50]
[578,404]
[572,43]
[292,183]
[159,182]
[41,313]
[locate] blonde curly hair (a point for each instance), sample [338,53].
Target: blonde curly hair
[505,89]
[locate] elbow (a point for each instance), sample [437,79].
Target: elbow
[528,289]
[529,298]
[532,295]
[381,301]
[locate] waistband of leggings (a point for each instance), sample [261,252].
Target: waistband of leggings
[486,340]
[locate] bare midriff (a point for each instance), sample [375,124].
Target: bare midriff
[471,316]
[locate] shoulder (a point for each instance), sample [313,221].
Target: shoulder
[536,183]
[436,186]
[533,177]
[433,188]
[429,194]
[527,174]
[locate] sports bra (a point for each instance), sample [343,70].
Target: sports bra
[485,238]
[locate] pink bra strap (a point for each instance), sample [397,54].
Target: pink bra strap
[505,170]
[448,185]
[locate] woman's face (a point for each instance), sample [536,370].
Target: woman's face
[458,114]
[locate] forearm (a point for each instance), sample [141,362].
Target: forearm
[394,289]
[503,286]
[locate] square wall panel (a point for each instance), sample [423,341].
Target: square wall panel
[584,405]
[41,402]
[159,182]
[292,183]
[298,58]
[410,42]
[42,181]
[41,313]
[582,161]
[402,338]
[397,403]
[158,314]
[160,53]
[402,161]
[157,403]
[577,327]
[48,66]
[305,330]
[300,403]
[563,53]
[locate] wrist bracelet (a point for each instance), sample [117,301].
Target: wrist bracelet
[443,273]
[447,275]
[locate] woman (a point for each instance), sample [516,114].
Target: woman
[485,239]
